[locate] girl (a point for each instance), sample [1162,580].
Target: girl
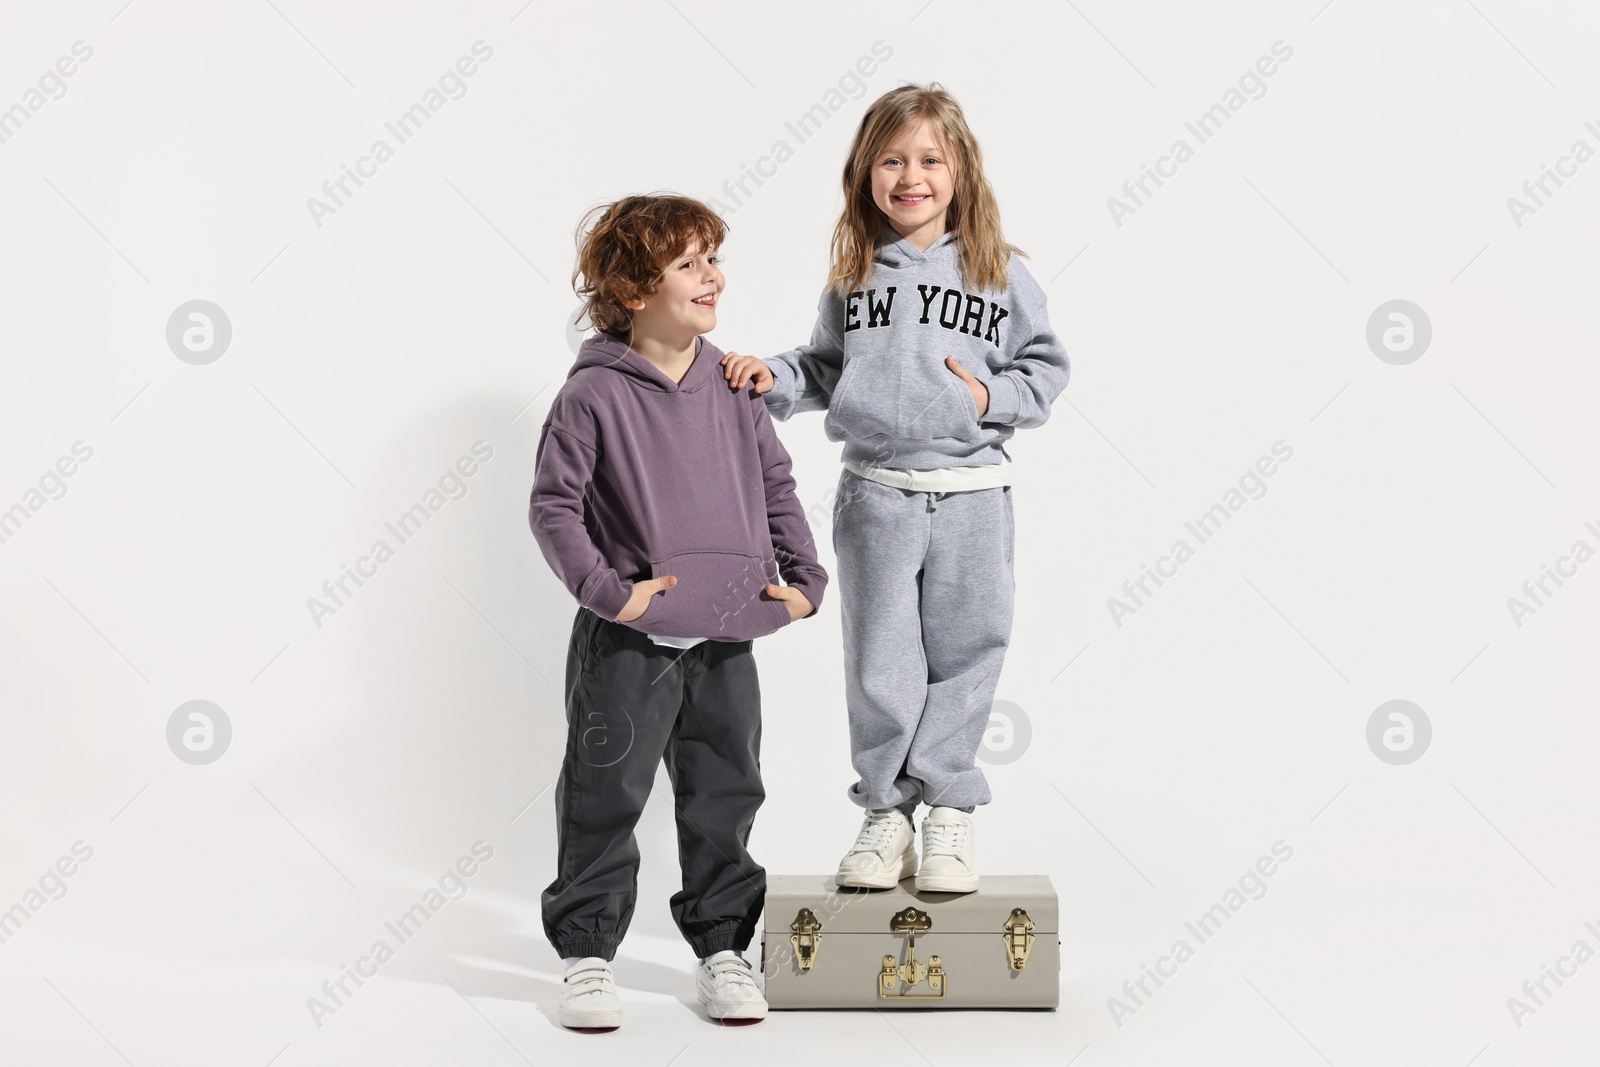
[931,348]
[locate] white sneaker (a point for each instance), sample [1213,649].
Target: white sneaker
[947,861]
[726,985]
[589,996]
[883,854]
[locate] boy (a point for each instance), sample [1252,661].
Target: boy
[664,503]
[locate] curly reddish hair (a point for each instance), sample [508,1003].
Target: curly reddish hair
[623,252]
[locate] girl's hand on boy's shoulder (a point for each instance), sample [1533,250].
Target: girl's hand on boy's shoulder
[793,599]
[737,370]
[980,392]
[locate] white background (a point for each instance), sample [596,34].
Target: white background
[428,313]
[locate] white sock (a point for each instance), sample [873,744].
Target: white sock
[570,961]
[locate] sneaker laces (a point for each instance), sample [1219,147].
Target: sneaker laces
[944,838]
[877,831]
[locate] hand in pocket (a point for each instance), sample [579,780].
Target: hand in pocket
[980,392]
[642,592]
[793,599]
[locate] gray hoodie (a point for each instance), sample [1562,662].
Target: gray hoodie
[876,361]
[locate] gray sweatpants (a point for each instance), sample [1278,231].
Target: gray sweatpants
[926,593]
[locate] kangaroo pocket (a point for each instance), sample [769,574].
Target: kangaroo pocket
[905,399]
[717,594]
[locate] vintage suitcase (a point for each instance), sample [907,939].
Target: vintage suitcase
[827,947]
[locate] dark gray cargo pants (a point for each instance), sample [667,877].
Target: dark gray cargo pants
[632,703]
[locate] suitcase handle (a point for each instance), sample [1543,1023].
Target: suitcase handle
[911,973]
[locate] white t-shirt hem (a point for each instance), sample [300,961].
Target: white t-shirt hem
[942,480]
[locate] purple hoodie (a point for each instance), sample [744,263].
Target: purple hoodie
[639,476]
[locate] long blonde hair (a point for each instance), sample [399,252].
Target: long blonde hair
[973,213]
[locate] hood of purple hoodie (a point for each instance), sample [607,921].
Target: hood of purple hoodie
[603,350]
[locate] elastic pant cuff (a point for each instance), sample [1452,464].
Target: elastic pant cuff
[968,808]
[586,946]
[736,936]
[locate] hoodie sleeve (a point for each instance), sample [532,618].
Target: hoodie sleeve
[803,378]
[792,543]
[1021,394]
[563,469]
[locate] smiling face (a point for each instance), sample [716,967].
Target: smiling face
[684,305]
[912,183]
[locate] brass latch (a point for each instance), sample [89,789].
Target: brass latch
[1018,937]
[806,938]
[911,973]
